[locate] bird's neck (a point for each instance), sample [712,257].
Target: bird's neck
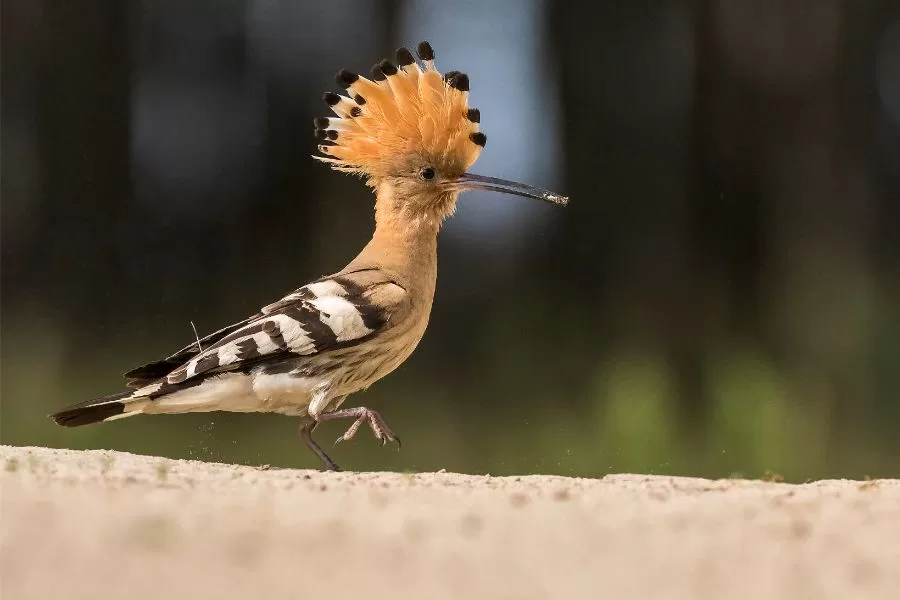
[404,243]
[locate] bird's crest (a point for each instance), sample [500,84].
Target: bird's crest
[403,110]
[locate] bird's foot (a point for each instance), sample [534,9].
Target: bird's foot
[362,415]
[306,429]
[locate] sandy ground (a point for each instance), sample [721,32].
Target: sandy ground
[112,525]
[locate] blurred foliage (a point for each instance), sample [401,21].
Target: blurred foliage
[722,296]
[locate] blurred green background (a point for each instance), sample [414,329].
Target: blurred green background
[721,297]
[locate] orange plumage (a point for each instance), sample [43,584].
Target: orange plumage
[405,112]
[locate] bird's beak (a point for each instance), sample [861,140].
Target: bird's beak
[470,181]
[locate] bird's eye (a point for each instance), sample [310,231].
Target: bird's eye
[427,173]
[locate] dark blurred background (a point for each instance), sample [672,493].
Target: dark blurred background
[721,297]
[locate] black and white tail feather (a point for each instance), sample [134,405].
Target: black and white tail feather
[93,411]
[291,336]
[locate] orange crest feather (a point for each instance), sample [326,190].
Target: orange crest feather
[400,112]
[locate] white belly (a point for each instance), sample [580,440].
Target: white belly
[285,393]
[236,392]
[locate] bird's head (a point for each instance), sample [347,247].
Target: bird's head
[410,132]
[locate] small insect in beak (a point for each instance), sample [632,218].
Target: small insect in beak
[470,181]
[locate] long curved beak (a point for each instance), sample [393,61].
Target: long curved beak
[470,181]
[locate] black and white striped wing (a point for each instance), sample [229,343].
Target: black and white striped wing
[147,374]
[324,315]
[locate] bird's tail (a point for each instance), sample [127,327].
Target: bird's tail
[107,408]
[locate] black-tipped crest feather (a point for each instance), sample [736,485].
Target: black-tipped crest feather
[425,51]
[404,57]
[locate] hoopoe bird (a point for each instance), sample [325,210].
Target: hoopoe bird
[409,132]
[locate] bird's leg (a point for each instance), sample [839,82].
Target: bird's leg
[362,414]
[306,429]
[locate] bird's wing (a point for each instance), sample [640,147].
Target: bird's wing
[145,374]
[333,312]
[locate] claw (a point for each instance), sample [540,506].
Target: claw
[362,415]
